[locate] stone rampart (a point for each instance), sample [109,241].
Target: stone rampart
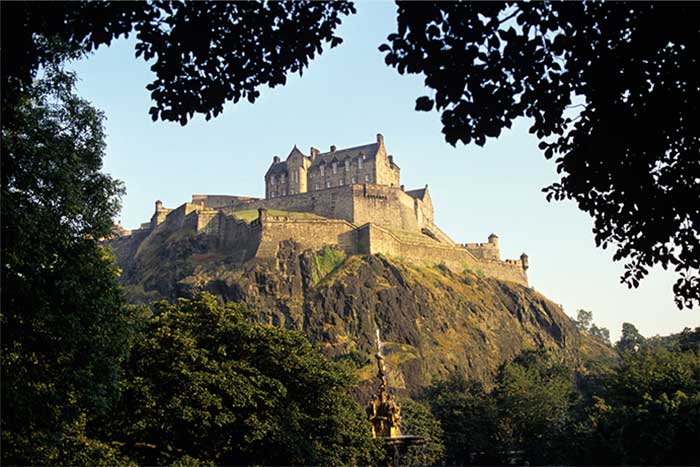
[483,250]
[310,233]
[333,203]
[374,239]
[220,201]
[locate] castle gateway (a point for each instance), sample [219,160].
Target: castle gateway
[351,198]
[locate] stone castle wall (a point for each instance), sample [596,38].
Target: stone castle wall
[310,233]
[359,204]
[373,239]
[260,238]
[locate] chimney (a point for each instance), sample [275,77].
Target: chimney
[314,152]
[380,138]
[333,148]
[391,160]
[275,159]
[403,188]
[159,205]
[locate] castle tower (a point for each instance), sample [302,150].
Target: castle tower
[493,240]
[297,166]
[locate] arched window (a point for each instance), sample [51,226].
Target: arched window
[273,179]
[323,170]
[347,165]
[335,167]
[359,163]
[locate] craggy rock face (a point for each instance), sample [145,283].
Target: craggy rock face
[431,320]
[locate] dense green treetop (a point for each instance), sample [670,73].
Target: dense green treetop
[65,330]
[204,384]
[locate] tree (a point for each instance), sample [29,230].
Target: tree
[612,90]
[600,333]
[649,410]
[65,330]
[535,395]
[468,416]
[583,320]
[417,419]
[205,53]
[630,340]
[203,385]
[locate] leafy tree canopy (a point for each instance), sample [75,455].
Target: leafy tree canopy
[204,385]
[418,419]
[65,330]
[630,339]
[628,152]
[205,53]
[649,410]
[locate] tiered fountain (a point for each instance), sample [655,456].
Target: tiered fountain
[384,414]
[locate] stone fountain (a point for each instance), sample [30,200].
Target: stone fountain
[384,414]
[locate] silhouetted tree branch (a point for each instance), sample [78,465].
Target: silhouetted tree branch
[630,158]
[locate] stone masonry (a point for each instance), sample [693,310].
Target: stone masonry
[351,198]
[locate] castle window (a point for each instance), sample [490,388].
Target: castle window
[323,171]
[347,165]
[282,178]
[359,163]
[316,187]
[328,184]
[335,167]
[354,179]
[272,179]
[366,178]
[341,182]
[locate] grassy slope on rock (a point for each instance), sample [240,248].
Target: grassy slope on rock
[433,320]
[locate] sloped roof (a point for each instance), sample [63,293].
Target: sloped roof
[295,150]
[369,150]
[418,194]
[277,168]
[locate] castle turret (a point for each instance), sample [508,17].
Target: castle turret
[493,240]
[524,261]
[159,215]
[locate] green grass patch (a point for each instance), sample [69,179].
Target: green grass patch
[326,261]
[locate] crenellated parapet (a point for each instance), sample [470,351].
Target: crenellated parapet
[351,198]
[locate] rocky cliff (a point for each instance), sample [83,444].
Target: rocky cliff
[433,321]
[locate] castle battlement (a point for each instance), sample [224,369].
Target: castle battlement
[351,198]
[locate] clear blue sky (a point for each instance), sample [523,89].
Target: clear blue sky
[347,96]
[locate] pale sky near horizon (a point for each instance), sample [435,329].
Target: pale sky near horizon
[345,97]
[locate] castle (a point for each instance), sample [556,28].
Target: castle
[351,198]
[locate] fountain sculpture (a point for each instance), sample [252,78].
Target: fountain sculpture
[384,414]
